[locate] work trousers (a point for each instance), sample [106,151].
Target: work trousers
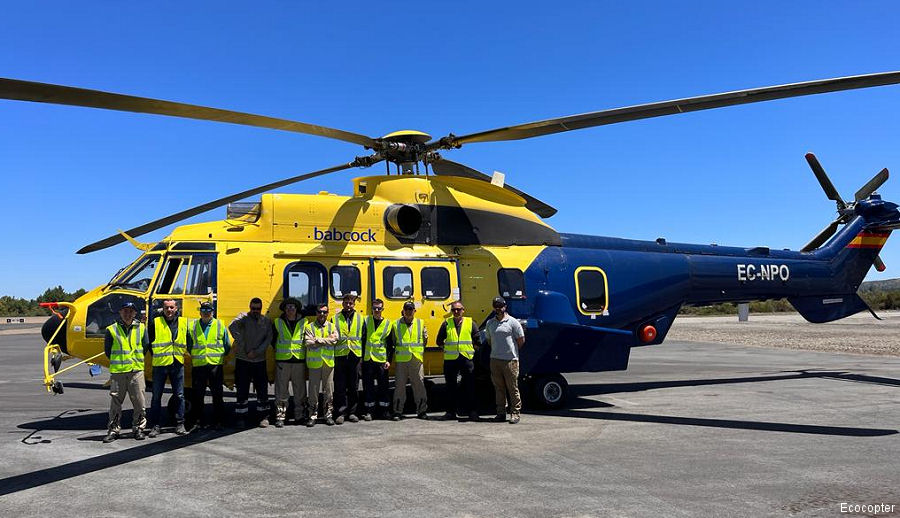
[132,384]
[175,374]
[212,376]
[414,372]
[244,372]
[322,379]
[346,384]
[462,400]
[505,375]
[290,376]
[374,372]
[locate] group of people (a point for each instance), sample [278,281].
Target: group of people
[312,355]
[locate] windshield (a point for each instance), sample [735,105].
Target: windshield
[139,275]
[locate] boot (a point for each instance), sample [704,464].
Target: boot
[353,418]
[180,429]
[153,432]
[339,420]
[110,437]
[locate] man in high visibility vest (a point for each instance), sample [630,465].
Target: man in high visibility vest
[378,352]
[208,343]
[460,339]
[409,354]
[168,342]
[319,341]
[124,343]
[290,361]
[347,355]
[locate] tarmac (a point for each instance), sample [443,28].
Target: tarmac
[691,429]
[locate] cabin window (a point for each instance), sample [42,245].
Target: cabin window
[201,276]
[511,283]
[345,280]
[306,283]
[167,282]
[591,290]
[435,283]
[398,282]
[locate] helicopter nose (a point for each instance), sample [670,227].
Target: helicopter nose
[49,328]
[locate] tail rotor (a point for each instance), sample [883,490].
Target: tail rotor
[845,210]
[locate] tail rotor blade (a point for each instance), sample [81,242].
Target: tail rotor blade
[822,236]
[872,185]
[824,181]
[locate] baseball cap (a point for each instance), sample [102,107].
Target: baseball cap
[499,302]
[128,304]
[205,307]
[409,305]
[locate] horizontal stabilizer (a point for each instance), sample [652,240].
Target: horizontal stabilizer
[828,307]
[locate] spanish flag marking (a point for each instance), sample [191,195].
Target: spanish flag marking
[869,240]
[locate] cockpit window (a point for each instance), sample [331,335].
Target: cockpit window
[139,276]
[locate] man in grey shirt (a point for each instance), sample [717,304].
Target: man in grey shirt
[506,336]
[252,334]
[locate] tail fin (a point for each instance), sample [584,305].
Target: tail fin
[825,309]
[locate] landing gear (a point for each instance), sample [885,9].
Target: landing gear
[550,391]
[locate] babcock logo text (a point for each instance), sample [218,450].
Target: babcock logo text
[352,236]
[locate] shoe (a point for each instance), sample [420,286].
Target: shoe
[353,418]
[264,423]
[515,419]
[279,423]
[448,416]
[153,432]
[329,421]
[500,418]
[473,416]
[367,417]
[310,422]
[110,437]
[339,420]
[139,435]
[180,429]
[423,416]
[396,417]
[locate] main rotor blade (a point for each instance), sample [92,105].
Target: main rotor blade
[824,181]
[690,104]
[18,90]
[822,236]
[179,216]
[871,185]
[450,168]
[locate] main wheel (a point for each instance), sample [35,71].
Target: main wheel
[551,391]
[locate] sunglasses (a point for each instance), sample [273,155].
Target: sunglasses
[456,309]
[377,309]
[255,309]
[500,307]
[322,312]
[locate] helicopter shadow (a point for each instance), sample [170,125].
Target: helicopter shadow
[80,419]
[581,406]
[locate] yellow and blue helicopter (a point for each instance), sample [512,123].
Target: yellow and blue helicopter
[433,231]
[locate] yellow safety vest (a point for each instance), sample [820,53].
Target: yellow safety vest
[290,345]
[462,344]
[127,354]
[376,350]
[166,348]
[410,341]
[209,347]
[349,334]
[316,356]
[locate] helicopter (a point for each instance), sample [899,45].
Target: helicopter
[432,231]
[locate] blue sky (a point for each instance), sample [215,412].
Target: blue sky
[734,176]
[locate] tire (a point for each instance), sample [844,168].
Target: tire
[550,391]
